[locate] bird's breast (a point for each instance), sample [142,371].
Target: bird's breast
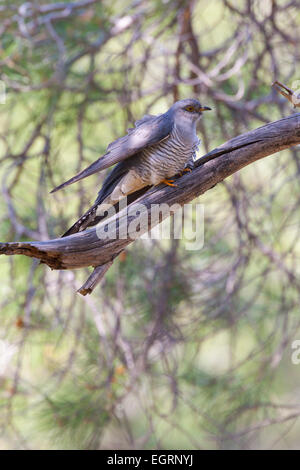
[165,159]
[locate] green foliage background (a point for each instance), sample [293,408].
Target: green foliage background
[176,349]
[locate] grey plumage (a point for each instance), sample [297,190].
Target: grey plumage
[157,148]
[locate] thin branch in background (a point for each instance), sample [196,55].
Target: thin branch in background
[203,336]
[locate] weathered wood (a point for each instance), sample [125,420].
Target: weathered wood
[86,249]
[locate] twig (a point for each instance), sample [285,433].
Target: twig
[290,95]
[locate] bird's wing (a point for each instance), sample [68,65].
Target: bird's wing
[147,131]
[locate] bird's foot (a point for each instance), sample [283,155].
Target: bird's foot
[185,170]
[169,182]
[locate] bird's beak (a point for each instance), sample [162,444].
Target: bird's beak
[205,108]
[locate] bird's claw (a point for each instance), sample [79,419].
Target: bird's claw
[169,182]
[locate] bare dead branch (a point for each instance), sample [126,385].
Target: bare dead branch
[288,93]
[94,279]
[87,249]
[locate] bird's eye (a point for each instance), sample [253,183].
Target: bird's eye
[190,108]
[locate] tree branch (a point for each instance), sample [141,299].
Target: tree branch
[87,249]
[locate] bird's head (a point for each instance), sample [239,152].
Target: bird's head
[189,110]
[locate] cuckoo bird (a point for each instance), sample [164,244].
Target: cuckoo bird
[155,150]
